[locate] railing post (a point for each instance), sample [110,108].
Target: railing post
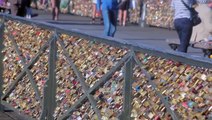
[128,75]
[83,84]
[49,100]
[1,63]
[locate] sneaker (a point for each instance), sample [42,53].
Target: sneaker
[124,24]
[28,16]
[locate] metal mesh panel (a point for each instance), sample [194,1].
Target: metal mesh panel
[50,73]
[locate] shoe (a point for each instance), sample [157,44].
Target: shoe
[124,24]
[101,21]
[28,17]
[56,18]
[93,21]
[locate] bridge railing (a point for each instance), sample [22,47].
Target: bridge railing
[51,73]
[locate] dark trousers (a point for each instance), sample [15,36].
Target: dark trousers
[183,27]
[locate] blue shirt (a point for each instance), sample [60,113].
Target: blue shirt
[107,4]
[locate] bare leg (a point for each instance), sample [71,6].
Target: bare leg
[43,4]
[120,17]
[94,13]
[14,9]
[124,17]
[53,9]
[56,13]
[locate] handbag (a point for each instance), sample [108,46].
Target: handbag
[195,19]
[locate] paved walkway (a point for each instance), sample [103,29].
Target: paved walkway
[150,36]
[9,116]
[4,116]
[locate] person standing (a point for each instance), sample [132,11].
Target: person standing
[28,10]
[123,8]
[94,2]
[96,13]
[55,9]
[21,8]
[182,23]
[109,13]
[14,4]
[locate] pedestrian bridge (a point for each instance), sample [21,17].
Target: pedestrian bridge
[51,73]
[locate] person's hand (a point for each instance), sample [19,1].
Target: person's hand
[194,6]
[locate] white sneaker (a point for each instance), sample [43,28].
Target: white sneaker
[28,16]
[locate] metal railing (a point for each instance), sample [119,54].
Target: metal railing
[51,73]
